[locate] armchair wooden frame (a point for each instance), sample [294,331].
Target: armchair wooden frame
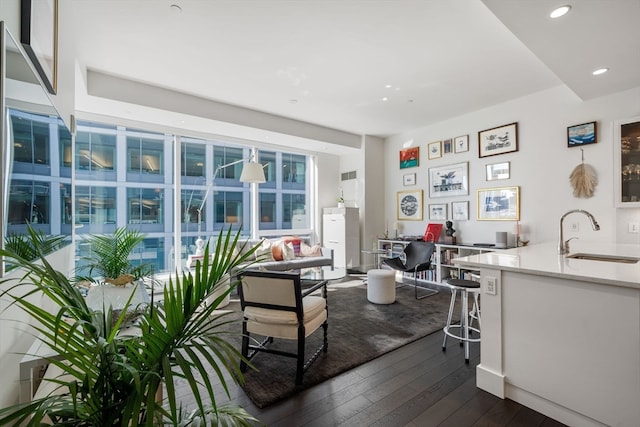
[263,294]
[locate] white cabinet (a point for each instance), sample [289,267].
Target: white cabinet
[341,232]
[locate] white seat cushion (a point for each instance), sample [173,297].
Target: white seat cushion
[283,324]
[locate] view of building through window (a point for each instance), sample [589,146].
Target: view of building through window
[124,177]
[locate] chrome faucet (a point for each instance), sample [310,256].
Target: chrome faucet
[563,246]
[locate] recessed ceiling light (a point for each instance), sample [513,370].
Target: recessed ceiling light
[175,8]
[561,11]
[385,99]
[600,71]
[387,86]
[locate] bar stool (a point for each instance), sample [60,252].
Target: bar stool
[466,317]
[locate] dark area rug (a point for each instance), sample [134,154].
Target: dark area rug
[359,331]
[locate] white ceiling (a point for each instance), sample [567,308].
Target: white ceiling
[329,62]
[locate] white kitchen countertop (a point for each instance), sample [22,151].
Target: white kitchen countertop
[543,260]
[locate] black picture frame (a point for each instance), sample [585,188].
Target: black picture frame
[499,140]
[582,134]
[39,37]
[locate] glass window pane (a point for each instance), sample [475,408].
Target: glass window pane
[228,208]
[224,156]
[95,152]
[293,168]
[268,160]
[28,202]
[95,205]
[145,155]
[190,204]
[65,203]
[294,211]
[267,211]
[41,143]
[193,160]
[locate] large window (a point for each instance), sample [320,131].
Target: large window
[123,178]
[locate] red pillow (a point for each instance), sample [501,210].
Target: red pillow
[295,241]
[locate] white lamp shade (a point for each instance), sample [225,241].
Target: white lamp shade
[252,172]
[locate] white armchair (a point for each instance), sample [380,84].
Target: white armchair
[274,306]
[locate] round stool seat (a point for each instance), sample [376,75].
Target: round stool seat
[465,328]
[381,286]
[461,283]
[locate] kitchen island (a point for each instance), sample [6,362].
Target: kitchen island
[562,335]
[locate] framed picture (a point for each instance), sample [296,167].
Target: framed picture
[499,204]
[409,179]
[497,171]
[410,205]
[500,140]
[447,146]
[438,212]
[461,143]
[583,134]
[449,181]
[410,157]
[460,211]
[39,36]
[435,150]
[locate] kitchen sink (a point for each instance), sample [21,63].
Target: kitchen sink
[608,258]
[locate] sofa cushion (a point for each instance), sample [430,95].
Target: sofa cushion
[310,251]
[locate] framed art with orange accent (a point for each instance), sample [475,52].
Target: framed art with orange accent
[410,157]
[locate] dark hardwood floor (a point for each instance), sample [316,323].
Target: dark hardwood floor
[416,385]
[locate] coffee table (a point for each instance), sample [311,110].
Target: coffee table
[326,273]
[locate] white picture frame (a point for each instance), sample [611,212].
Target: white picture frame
[409,179]
[461,144]
[449,181]
[497,171]
[460,211]
[438,212]
[498,204]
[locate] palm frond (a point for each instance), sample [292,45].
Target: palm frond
[114,378]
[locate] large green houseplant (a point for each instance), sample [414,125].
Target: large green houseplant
[111,379]
[109,255]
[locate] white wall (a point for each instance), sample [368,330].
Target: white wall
[541,166]
[16,333]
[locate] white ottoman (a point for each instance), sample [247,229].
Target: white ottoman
[381,286]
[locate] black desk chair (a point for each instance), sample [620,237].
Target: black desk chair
[417,257]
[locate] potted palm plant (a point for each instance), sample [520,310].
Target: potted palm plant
[110,378]
[27,245]
[108,257]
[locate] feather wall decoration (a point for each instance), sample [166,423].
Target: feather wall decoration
[584,180]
